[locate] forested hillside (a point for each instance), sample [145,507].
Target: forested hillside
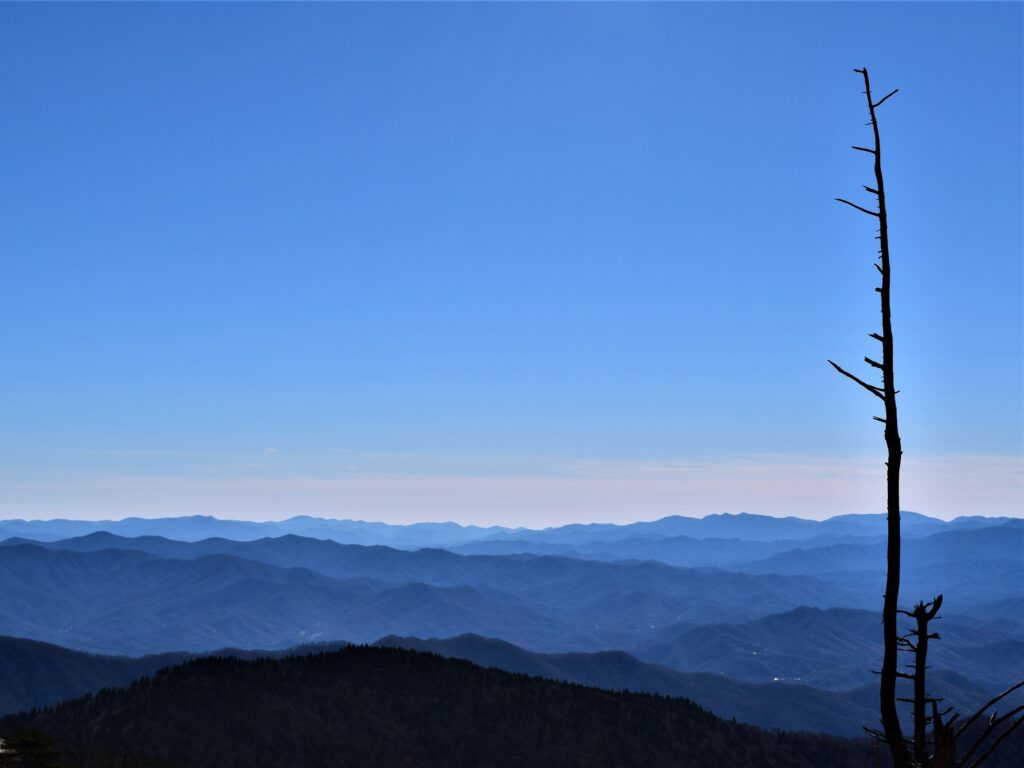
[382,706]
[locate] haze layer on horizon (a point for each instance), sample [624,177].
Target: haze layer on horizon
[241,243]
[521,493]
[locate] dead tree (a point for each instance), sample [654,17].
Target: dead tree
[916,643]
[891,729]
[915,752]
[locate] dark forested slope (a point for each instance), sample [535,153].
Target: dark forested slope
[364,706]
[35,674]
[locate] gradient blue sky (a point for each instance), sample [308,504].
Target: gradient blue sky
[503,263]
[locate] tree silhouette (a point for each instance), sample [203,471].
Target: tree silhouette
[891,729]
[914,752]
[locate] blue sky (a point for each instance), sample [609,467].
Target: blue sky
[503,263]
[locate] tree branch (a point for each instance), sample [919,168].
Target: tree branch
[984,756]
[859,208]
[876,391]
[893,92]
[994,700]
[993,723]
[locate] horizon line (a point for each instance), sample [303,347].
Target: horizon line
[270,522]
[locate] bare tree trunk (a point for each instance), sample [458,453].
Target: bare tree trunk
[920,688]
[916,642]
[999,727]
[887,393]
[890,718]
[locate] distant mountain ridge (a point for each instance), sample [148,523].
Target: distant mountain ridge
[197,527]
[130,601]
[446,535]
[972,566]
[107,593]
[1000,541]
[834,649]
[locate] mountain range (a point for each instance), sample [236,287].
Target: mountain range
[771,621]
[132,601]
[107,593]
[746,527]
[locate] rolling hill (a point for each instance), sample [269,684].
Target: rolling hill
[385,706]
[34,674]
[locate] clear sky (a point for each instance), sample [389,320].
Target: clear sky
[503,263]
